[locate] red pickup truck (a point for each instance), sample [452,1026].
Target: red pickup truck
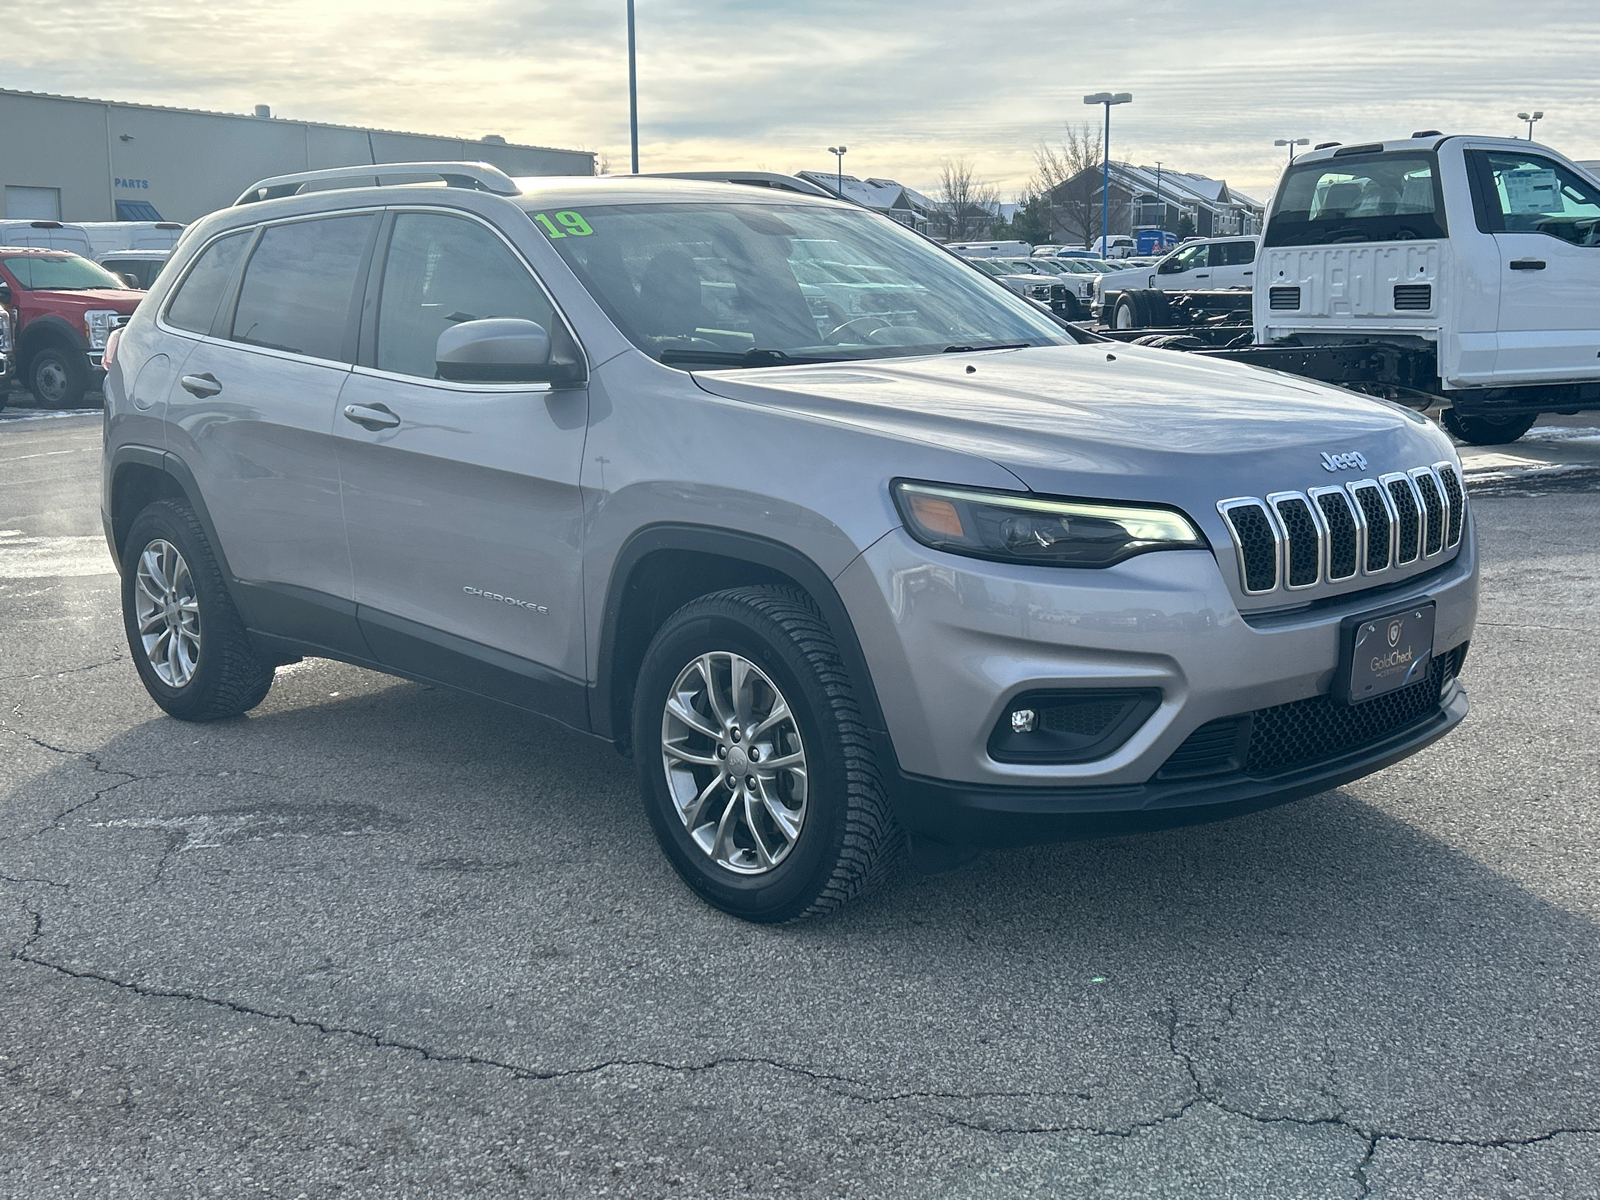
[60,309]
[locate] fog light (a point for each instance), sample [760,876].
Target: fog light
[1023,720]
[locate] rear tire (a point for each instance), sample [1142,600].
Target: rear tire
[1129,312]
[1487,431]
[765,843]
[58,378]
[187,640]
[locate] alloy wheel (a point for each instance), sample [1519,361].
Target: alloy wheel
[735,763]
[168,613]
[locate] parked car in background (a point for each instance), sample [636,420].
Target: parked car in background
[1204,265]
[1116,245]
[136,268]
[1076,297]
[1154,241]
[64,308]
[92,239]
[989,249]
[1040,286]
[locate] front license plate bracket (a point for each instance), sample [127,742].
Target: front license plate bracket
[1384,652]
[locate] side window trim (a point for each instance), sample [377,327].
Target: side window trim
[250,234]
[223,321]
[367,359]
[222,329]
[1480,177]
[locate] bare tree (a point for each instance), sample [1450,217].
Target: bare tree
[969,205]
[1067,177]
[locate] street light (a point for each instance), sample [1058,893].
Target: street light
[1108,99]
[839,152]
[1530,118]
[633,93]
[1292,143]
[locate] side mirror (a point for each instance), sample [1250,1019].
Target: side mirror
[494,350]
[5,292]
[132,280]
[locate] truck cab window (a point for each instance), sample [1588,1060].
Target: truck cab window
[1534,195]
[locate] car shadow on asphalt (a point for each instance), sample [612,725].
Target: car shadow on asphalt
[395,850]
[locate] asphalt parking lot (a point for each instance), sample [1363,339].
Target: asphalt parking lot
[380,940]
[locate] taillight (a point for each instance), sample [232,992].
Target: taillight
[108,356]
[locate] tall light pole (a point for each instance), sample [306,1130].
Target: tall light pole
[1108,99]
[1161,209]
[1292,143]
[1530,118]
[839,152]
[633,93]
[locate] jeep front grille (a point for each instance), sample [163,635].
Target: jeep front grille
[1295,540]
[1282,299]
[1413,297]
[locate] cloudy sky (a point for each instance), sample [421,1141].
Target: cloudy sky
[730,83]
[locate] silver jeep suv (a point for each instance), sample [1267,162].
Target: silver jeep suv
[850,547]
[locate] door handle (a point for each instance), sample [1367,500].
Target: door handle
[1202,275]
[371,416]
[201,385]
[1527,264]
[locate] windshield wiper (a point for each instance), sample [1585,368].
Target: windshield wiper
[997,346]
[750,358]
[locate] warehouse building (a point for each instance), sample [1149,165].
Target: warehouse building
[63,158]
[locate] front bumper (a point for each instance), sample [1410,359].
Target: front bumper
[976,816]
[951,642]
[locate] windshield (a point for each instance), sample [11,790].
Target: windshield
[762,284]
[69,273]
[1382,198]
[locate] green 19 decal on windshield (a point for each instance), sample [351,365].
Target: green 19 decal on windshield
[565,223]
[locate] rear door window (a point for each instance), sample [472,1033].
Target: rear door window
[194,305]
[1359,198]
[297,289]
[1234,254]
[1527,193]
[440,271]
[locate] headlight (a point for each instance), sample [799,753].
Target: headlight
[1040,291]
[98,324]
[1020,528]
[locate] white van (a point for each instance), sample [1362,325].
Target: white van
[990,249]
[92,239]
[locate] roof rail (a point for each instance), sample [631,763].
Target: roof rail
[766,179]
[479,176]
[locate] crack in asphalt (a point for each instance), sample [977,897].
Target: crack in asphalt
[849,1088]
[1371,1137]
[95,765]
[110,662]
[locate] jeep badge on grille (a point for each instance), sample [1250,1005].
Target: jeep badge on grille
[1343,462]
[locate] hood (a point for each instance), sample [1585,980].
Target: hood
[1107,419]
[124,300]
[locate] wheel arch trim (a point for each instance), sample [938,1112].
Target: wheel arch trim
[607,693]
[118,524]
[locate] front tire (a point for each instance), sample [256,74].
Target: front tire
[58,378]
[1129,312]
[187,640]
[1487,431]
[756,767]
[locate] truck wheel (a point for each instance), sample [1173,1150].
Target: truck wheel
[756,767]
[1072,309]
[188,643]
[1487,431]
[1157,308]
[58,378]
[1129,312]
